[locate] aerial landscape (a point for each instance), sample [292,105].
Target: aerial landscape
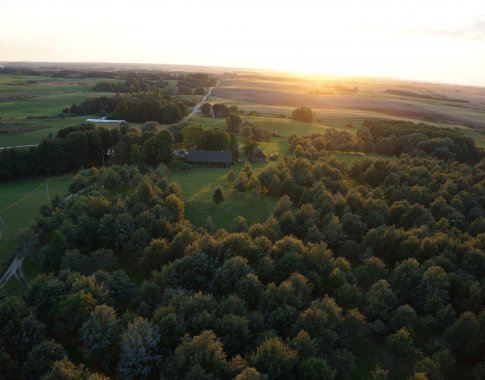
[247,190]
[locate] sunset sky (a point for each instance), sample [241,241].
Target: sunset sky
[428,40]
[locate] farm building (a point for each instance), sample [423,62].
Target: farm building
[105,121]
[209,158]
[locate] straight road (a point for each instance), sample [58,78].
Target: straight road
[197,107]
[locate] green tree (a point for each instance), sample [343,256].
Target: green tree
[234,123]
[400,342]
[218,195]
[30,333]
[41,358]
[275,359]
[139,355]
[206,109]
[203,353]
[99,334]
[302,114]
[159,149]
[316,369]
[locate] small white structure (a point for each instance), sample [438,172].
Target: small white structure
[105,121]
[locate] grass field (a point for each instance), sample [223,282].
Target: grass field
[19,203]
[32,131]
[198,185]
[25,98]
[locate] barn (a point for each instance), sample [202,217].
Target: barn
[209,158]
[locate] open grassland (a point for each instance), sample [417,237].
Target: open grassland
[30,105]
[42,105]
[32,131]
[198,185]
[19,203]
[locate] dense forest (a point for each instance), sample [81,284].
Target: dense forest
[373,270]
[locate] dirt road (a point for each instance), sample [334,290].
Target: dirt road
[197,107]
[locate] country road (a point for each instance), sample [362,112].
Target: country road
[197,107]
[15,269]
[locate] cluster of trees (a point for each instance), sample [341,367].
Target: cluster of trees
[219,111]
[150,146]
[386,254]
[69,150]
[194,81]
[302,114]
[137,108]
[156,83]
[196,137]
[393,138]
[145,108]
[103,104]
[256,132]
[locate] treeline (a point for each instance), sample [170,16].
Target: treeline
[394,138]
[424,96]
[87,145]
[132,85]
[69,150]
[374,270]
[136,108]
[187,84]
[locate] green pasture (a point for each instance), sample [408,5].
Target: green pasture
[198,185]
[32,131]
[43,105]
[19,203]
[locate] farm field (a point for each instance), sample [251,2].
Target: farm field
[32,131]
[19,203]
[285,94]
[30,105]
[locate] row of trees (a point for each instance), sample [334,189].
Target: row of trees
[136,108]
[196,137]
[69,150]
[86,145]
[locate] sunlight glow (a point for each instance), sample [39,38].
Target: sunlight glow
[428,40]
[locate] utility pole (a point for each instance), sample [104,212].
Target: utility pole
[47,191]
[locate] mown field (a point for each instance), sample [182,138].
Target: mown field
[19,203]
[30,106]
[198,186]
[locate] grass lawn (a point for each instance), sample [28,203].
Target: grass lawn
[19,203]
[198,185]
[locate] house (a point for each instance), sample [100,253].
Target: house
[258,155]
[209,158]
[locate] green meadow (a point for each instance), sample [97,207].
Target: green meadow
[19,203]
[198,185]
[30,105]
